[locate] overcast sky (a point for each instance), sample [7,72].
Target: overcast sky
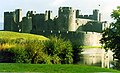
[86,6]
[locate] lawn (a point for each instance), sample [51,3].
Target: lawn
[16,35]
[50,68]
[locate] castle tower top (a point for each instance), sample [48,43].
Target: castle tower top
[96,15]
[18,13]
[48,15]
[67,16]
[66,8]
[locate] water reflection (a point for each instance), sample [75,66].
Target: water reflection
[97,57]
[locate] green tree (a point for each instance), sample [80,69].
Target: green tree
[111,36]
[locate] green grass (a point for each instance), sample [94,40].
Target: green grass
[15,35]
[89,47]
[56,68]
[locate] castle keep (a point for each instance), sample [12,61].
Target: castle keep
[70,24]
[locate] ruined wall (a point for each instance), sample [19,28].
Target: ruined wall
[10,21]
[38,22]
[26,24]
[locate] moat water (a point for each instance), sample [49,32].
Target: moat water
[97,57]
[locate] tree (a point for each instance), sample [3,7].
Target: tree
[111,36]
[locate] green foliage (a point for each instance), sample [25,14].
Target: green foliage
[35,52]
[77,49]
[60,50]
[111,36]
[23,50]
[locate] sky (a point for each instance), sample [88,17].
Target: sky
[86,6]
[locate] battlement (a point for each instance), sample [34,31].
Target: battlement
[18,9]
[65,8]
[8,13]
[95,16]
[85,16]
[67,32]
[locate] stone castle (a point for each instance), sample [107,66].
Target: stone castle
[70,24]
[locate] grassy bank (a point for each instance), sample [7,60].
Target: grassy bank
[28,48]
[46,68]
[15,35]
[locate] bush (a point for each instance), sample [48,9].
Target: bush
[60,50]
[53,51]
[15,54]
[35,52]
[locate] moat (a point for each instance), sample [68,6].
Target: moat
[96,56]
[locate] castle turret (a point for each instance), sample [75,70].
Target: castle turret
[77,13]
[96,15]
[48,15]
[10,21]
[18,13]
[66,20]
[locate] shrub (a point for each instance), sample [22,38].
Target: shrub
[59,49]
[35,52]
[53,51]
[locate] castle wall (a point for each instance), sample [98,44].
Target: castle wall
[50,25]
[10,21]
[81,22]
[91,39]
[7,20]
[95,16]
[38,22]
[26,24]
[93,27]
[81,38]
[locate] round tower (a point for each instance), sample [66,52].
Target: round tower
[67,19]
[96,15]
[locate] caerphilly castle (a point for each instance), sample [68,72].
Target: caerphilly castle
[69,23]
